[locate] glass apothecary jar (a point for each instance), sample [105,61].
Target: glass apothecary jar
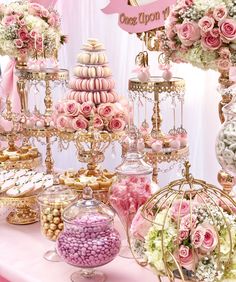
[89,239]
[52,202]
[133,186]
[226,140]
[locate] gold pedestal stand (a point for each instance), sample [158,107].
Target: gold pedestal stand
[23,209]
[47,76]
[91,146]
[157,90]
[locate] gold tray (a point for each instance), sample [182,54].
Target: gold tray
[160,157]
[158,85]
[21,164]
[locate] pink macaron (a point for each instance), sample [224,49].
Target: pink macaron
[103,97]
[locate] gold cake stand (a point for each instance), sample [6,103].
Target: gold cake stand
[24,209]
[157,90]
[47,76]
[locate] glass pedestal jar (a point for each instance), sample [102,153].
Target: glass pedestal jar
[52,203]
[89,239]
[132,188]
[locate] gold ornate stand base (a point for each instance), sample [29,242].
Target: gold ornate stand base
[99,180]
[25,209]
[22,216]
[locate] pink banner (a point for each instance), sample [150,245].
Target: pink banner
[136,19]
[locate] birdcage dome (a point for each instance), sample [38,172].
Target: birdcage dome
[187,230]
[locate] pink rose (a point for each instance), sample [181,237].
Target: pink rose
[228,29]
[23,34]
[44,13]
[9,20]
[62,122]
[140,226]
[33,34]
[106,110]
[71,108]
[35,9]
[220,13]
[225,53]
[59,107]
[87,109]
[186,258]
[19,43]
[215,32]
[79,122]
[210,42]
[183,235]
[224,64]
[206,23]
[188,33]
[179,209]
[116,124]
[210,238]
[197,237]
[188,222]
[98,122]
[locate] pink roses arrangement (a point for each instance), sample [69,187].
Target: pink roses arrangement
[202,33]
[29,27]
[71,116]
[186,234]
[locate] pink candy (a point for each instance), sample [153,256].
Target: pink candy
[89,242]
[128,194]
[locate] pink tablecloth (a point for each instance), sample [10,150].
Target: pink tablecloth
[21,260]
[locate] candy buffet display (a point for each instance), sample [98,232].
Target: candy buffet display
[52,203]
[18,190]
[133,186]
[187,231]
[161,147]
[89,239]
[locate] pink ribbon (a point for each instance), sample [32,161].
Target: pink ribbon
[9,86]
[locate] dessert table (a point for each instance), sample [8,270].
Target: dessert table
[21,259]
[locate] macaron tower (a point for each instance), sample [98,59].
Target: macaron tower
[92,95]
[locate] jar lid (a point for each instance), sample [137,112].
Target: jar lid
[88,210]
[133,163]
[57,194]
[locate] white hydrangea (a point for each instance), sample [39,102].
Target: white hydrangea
[203,5]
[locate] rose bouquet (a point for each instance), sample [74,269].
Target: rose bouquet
[29,28]
[192,238]
[202,33]
[72,116]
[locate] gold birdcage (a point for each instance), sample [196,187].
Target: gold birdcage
[187,231]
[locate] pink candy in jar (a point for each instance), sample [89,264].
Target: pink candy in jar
[89,242]
[128,194]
